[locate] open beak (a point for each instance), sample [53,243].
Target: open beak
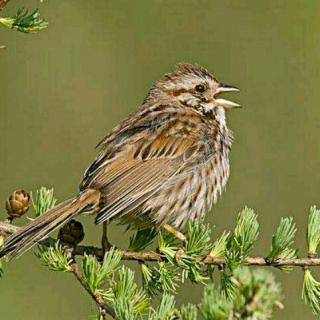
[227,104]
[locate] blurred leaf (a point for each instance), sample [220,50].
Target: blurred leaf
[256,295]
[25,22]
[214,305]
[188,312]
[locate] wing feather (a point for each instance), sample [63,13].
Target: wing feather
[141,155]
[133,189]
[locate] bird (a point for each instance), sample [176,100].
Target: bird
[166,164]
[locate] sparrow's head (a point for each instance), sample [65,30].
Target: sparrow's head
[194,86]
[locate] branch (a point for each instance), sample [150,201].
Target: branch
[251,261]
[154,256]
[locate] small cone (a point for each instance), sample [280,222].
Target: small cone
[72,233]
[18,204]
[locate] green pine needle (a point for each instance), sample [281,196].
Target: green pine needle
[161,279]
[313,231]
[165,310]
[95,274]
[282,240]
[198,241]
[107,295]
[149,283]
[25,22]
[188,312]
[193,269]
[220,246]
[198,244]
[241,241]
[53,257]
[246,231]
[124,309]
[168,245]
[228,284]
[311,291]
[166,276]
[44,200]
[142,239]
[125,288]
[214,304]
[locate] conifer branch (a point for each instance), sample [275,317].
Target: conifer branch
[157,257]
[103,307]
[114,290]
[23,21]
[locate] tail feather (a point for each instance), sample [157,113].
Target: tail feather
[38,229]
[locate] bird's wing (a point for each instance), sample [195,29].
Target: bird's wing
[131,190]
[136,176]
[144,157]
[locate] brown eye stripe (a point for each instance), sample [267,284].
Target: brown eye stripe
[176,93]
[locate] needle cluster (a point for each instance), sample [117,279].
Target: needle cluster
[242,292]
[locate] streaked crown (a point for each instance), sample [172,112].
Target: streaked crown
[194,86]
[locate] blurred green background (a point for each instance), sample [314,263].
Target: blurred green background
[61,90]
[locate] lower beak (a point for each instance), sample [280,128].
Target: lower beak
[223,102]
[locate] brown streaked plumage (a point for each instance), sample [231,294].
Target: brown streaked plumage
[167,163]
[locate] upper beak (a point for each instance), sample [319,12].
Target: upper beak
[223,102]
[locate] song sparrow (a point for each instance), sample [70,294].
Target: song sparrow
[165,164]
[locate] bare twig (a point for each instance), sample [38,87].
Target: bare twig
[154,256]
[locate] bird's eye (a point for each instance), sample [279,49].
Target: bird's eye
[200,88]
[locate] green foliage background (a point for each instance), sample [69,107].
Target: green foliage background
[62,89]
